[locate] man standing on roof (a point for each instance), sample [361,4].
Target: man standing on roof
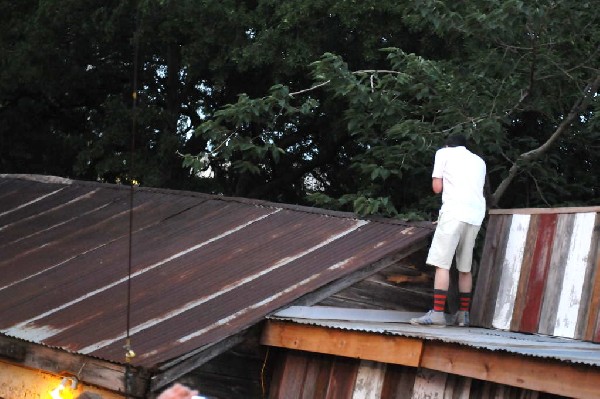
[460,176]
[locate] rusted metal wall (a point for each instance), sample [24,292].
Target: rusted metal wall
[303,375]
[539,273]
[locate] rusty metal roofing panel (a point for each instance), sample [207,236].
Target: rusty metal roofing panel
[203,267]
[390,322]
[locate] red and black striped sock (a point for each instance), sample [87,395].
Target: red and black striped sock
[439,300]
[465,301]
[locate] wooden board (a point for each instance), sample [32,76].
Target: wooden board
[317,376]
[341,379]
[511,270]
[585,311]
[497,258]
[294,371]
[564,229]
[531,373]
[412,292]
[526,267]
[90,371]
[458,387]
[369,380]
[540,211]
[242,371]
[540,274]
[523,372]
[592,329]
[24,383]
[533,291]
[575,272]
[429,384]
[399,382]
[488,276]
[355,344]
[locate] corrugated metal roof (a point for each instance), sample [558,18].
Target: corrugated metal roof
[392,322]
[203,267]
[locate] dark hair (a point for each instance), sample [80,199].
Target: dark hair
[458,140]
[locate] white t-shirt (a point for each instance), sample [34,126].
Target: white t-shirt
[463,177]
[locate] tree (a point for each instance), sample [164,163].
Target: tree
[519,79]
[47,46]
[339,103]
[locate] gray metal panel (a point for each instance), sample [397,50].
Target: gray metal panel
[203,267]
[389,322]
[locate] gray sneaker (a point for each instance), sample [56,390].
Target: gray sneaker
[431,318]
[462,318]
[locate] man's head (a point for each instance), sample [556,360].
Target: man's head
[457,140]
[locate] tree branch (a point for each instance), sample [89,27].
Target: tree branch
[539,190]
[589,92]
[373,71]
[310,88]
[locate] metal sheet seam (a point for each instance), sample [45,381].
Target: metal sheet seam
[59,224]
[252,307]
[116,216]
[269,299]
[26,330]
[261,303]
[226,289]
[31,202]
[76,199]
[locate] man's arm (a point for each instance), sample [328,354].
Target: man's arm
[437,184]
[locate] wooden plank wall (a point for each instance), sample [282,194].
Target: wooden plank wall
[539,274]
[304,375]
[240,372]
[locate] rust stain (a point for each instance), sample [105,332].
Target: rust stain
[203,267]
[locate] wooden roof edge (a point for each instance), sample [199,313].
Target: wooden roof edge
[38,178]
[426,225]
[540,211]
[178,367]
[90,370]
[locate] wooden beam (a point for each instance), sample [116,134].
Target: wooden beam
[190,362]
[12,350]
[88,370]
[338,285]
[537,374]
[356,344]
[538,211]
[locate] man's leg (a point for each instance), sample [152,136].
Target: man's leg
[440,289]
[464,260]
[436,317]
[465,284]
[442,279]
[441,253]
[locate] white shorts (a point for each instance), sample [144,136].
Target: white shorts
[452,237]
